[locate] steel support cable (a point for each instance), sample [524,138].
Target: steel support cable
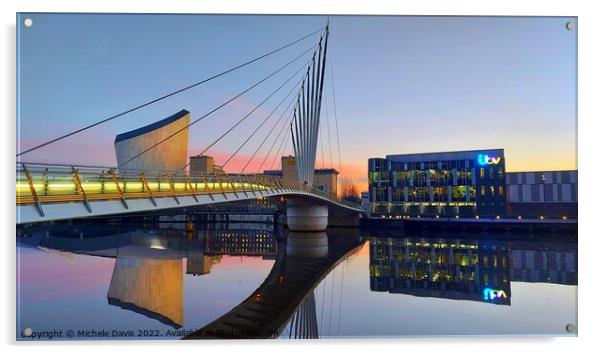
[341,296]
[323,303]
[218,107]
[307,130]
[267,137]
[323,70]
[295,134]
[331,298]
[315,117]
[336,119]
[303,136]
[247,115]
[167,95]
[277,137]
[321,145]
[275,141]
[285,138]
[312,109]
[328,127]
[286,144]
[259,127]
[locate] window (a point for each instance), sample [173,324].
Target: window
[482,172]
[483,191]
[501,191]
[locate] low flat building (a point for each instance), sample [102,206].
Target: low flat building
[547,194]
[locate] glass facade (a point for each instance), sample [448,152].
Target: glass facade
[449,184]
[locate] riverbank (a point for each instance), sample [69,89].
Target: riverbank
[473,224]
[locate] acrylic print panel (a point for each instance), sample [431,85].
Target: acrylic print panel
[254,176]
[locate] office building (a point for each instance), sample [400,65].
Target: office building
[449,184]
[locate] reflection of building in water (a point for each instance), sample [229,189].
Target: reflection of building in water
[551,266]
[200,264]
[440,268]
[152,287]
[248,243]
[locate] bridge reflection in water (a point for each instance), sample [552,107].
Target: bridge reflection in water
[285,300]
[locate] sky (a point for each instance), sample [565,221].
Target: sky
[401,84]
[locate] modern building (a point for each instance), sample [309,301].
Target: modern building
[459,183]
[325,179]
[204,164]
[548,194]
[170,156]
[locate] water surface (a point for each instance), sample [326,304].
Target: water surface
[160,281]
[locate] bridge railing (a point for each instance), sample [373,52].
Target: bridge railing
[46,183]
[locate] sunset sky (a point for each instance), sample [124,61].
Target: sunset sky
[402,84]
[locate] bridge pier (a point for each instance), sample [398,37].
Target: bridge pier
[302,216]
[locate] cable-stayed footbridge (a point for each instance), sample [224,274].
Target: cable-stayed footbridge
[154,173]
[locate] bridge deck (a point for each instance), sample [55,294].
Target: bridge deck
[40,188]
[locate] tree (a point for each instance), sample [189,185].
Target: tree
[349,192]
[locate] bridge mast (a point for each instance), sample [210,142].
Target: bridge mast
[307,114]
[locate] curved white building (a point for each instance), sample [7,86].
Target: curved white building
[168,156]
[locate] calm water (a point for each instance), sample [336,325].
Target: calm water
[99,281]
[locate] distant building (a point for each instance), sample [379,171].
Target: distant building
[325,179]
[168,156]
[204,164]
[551,194]
[366,202]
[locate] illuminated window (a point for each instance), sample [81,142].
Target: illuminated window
[483,190]
[501,190]
[482,172]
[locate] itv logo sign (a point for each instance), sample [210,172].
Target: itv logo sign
[493,294]
[487,160]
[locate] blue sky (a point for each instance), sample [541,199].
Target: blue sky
[402,84]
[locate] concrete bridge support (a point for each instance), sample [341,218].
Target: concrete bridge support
[302,216]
